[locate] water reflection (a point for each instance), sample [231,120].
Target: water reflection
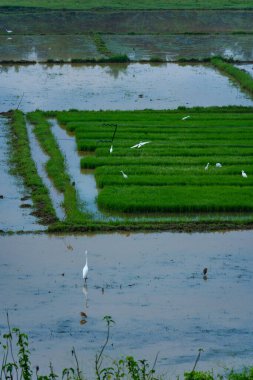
[16,204]
[154,290]
[116,86]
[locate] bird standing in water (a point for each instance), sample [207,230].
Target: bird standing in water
[205,274]
[85,268]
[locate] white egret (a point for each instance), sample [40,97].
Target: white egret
[206,167]
[244,174]
[85,268]
[111,149]
[124,174]
[8,31]
[218,165]
[140,144]
[186,117]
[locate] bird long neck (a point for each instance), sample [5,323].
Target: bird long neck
[86,263]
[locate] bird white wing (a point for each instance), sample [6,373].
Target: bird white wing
[185,117]
[143,143]
[134,146]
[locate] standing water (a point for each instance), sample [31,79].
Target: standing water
[150,284]
[16,205]
[116,87]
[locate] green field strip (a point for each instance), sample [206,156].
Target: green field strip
[178,150]
[56,168]
[177,170]
[163,180]
[135,199]
[198,127]
[25,167]
[91,162]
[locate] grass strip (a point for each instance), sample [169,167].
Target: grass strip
[24,166]
[241,77]
[56,167]
[145,199]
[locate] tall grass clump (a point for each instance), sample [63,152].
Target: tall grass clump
[25,167]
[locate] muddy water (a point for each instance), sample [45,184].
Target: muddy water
[40,159]
[12,216]
[116,86]
[153,289]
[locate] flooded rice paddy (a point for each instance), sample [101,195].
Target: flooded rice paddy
[85,182]
[168,47]
[16,204]
[41,158]
[151,285]
[116,87]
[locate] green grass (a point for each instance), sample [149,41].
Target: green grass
[24,166]
[168,175]
[56,169]
[139,4]
[167,185]
[241,77]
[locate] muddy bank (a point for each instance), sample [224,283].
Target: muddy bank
[153,289]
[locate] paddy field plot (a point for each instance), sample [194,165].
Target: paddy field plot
[167,175]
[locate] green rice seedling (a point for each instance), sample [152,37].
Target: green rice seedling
[135,199]
[243,78]
[24,166]
[56,168]
[91,162]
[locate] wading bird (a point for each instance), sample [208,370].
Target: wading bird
[111,149]
[124,174]
[218,165]
[8,31]
[205,273]
[206,167]
[140,144]
[244,174]
[186,117]
[85,268]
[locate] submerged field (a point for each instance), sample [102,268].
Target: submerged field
[139,4]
